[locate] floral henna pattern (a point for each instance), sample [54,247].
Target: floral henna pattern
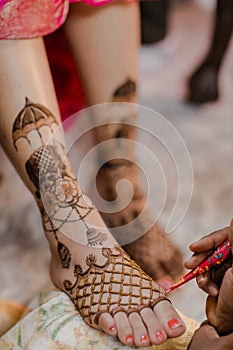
[57,191]
[117,285]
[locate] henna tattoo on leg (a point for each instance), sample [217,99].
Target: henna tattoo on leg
[125,92]
[31,117]
[105,280]
[146,249]
[64,255]
[57,191]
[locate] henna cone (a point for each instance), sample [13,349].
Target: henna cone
[216,258]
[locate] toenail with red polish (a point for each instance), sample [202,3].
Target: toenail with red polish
[112,329]
[160,336]
[174,324]
[129,339]
[144,339]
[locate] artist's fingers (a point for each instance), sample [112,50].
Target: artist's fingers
[231,235]
[211,241]
[204,337]
[196,259]
[208,331]
[224,311]
[227,342]
[207,285]
[211,305]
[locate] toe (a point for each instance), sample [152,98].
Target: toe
[124,329]
[166,282]
[107,324]
[169,319]
[141,337]
[155,330]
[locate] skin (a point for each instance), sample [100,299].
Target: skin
[24,71]
[206,337]
[116,59]
[218,283]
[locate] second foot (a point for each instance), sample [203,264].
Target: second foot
[153,251]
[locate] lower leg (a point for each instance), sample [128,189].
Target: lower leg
[203,84]
[110,291]
[107,57]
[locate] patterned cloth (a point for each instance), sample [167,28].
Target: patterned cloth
[53,323]
[32,18]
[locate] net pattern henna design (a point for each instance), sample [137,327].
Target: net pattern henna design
[117,285]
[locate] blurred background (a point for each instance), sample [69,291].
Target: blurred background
[174,46]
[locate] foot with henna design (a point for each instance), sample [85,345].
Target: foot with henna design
[147,244]
[153,251]
[110,290]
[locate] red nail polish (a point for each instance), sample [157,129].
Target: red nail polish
[144,339]
[129,339]
[112,329]
[160,336]
[174,324]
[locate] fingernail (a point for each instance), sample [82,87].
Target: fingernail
[112,329]
[174,324]
[129,339]
[144,339]
[160,336]
[213,290]
[201,279]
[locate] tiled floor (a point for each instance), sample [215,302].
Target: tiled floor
[207,132]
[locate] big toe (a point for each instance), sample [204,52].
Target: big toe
[169,319]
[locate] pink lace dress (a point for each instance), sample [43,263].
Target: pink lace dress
[31,18]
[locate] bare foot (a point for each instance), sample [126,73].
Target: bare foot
[153,251]
[113,294]
[110,290]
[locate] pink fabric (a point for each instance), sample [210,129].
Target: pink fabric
[31,18]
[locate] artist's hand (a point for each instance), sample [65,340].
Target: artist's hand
[211,281]
[206,337]
[218,283]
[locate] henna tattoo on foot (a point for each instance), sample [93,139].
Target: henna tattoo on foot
[119,284]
